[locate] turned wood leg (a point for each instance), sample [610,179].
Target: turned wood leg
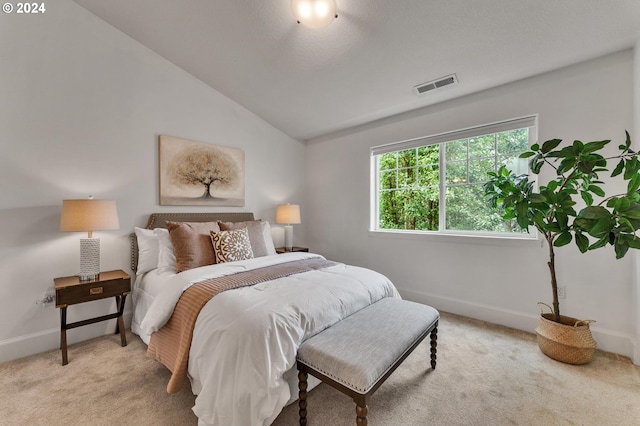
[361,415]
[302,397]
[434,343]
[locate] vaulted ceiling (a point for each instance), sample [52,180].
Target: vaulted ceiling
[363,67]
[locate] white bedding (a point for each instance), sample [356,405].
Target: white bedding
[146,287]
[245,340]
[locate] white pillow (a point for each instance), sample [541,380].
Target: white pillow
[166,256]
[148,250]
[268,238]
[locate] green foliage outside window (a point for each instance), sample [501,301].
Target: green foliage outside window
[409,183]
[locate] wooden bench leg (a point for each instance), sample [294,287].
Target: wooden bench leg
[302,397]
[434,343]
[361,414]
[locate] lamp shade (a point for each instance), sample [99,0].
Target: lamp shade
[288,214]
[314,13]
[88,215]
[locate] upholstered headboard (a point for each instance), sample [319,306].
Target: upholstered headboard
[158,220]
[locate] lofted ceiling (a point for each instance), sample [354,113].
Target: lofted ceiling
[363,67]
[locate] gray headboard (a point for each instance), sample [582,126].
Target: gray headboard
[158,220]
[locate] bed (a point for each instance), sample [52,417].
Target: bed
[242,347]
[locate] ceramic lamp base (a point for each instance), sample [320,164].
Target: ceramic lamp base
[288,237]
[89,258]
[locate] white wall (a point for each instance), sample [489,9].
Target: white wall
[636,257]
[496,281]
[81,108]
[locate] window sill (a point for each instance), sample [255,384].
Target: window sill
[512,240]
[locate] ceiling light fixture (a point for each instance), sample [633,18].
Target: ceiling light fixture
[314,13]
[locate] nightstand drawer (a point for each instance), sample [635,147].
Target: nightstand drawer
[70,290]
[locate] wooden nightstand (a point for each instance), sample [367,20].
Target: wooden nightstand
[281,250]
[70,291]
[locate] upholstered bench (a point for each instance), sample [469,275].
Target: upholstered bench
[359,353]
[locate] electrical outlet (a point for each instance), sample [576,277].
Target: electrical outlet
[562,292]
[48,298]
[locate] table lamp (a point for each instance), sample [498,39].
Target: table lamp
[288,214]
[88,216]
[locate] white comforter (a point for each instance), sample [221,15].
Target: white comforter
[245,340]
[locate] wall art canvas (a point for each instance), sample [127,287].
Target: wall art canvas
[200,174]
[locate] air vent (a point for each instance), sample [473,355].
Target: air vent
[436,84]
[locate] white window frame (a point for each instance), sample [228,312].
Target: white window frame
[530,122]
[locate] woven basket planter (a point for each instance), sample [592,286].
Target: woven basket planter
[569,341]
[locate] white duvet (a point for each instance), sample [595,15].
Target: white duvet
[245,340]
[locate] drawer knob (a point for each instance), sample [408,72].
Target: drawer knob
[95,290]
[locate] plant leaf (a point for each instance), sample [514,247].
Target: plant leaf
[596,190]
[621,204]
[634,183]
[601,228]
[537,198]
[621,249]
[633,212]
[522,207]
[535,164]
[594,146]
[566,165]
[588,199]
[550,145]
[563,239]
[582,242]
[594,212]
[585,167]
[600,243]
[631,240]
[630,168]
[578,146]
[619,168]
[552,185]
[625,225]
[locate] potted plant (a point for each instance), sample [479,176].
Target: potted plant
[611,220]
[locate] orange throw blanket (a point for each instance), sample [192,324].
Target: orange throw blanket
[171,344]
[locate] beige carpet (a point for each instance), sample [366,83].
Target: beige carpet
[486,375]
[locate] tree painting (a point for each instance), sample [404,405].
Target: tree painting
[203,167]
[196,173]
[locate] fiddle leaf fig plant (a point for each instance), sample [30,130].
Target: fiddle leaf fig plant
[604,219]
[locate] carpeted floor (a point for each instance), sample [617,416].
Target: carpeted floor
[486,375]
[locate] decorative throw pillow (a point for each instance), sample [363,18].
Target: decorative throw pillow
[259,235]
[148,250]
[232,245]
[166,257]
[192,243]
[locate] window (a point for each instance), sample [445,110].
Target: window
[436,183]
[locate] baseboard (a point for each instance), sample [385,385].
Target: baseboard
[608,340]
[46,340]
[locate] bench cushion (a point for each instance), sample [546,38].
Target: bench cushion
[361,348]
